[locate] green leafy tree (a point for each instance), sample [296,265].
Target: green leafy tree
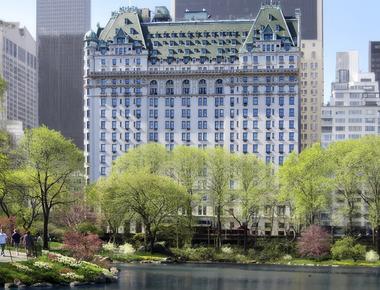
[103,196]
[52,162]
[305,181]
[154,199]
[151,157]
[221,167]
[344,178]
[251,175]
[367,163]
[3,87]
[186,166]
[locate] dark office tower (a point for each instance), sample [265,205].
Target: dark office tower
[311,90]
[374,58]
[61,25]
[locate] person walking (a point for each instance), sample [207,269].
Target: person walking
[3,242]
[29,244]
[16,239]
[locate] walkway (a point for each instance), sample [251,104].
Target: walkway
[15,257]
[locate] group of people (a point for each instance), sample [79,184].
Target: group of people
[33,245]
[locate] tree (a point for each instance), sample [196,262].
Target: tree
[314,242]
[187,165]
[154,199]
[305,180]
[366,157]
[52,162]
[220,170]
[82,246]
[151,157]
[251,177]
[344,178]
[3,87]
[104,194]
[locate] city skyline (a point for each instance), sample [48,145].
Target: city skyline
[336,26]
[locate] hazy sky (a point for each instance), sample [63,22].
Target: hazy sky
[348,24]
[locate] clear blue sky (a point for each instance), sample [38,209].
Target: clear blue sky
[348,24]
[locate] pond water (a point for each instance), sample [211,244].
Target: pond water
[242,277]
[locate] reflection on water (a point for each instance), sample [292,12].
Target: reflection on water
[236,277]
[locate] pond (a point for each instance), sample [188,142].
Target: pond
[243,277]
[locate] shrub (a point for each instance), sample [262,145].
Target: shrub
[314,243]
[272,249]
[88,228]
[372,256]
[287,258]
[195,254]
[109,247]
[81,246]
[347,249]
[127,249]
[227,250]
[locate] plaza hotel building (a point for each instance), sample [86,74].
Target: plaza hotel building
[196,82]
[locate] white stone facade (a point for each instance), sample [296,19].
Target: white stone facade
[250,105]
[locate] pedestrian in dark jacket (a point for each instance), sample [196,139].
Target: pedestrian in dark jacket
[29,244]
[16,239]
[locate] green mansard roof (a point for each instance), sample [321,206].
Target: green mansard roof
[209,39]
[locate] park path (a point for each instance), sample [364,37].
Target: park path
[16,258]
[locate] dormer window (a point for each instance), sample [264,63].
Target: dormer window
[278,28]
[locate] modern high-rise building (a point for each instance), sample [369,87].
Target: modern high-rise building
[312,78]
[61,25]
[353,111]
[18,67]
[374,59]
[204,83]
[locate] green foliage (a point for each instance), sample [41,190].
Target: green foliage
[3,87]
[152,198]
[347,248]
[36,273]
[51,163]
[345,180]
[372,256]
[195,254]
[89,228]
[305,182]
[150,158]
[272,249]
[366,157]
[221,167]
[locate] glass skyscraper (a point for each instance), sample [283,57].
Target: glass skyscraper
[61,25]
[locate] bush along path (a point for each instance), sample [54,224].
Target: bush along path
[54,269]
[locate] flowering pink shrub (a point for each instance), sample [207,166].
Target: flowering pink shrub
[8,225]
[82,246]
[314,242]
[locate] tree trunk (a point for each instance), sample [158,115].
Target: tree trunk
[378,239]
[245,227]
[45,236]
[219,229]
[149,238]
[350,223]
